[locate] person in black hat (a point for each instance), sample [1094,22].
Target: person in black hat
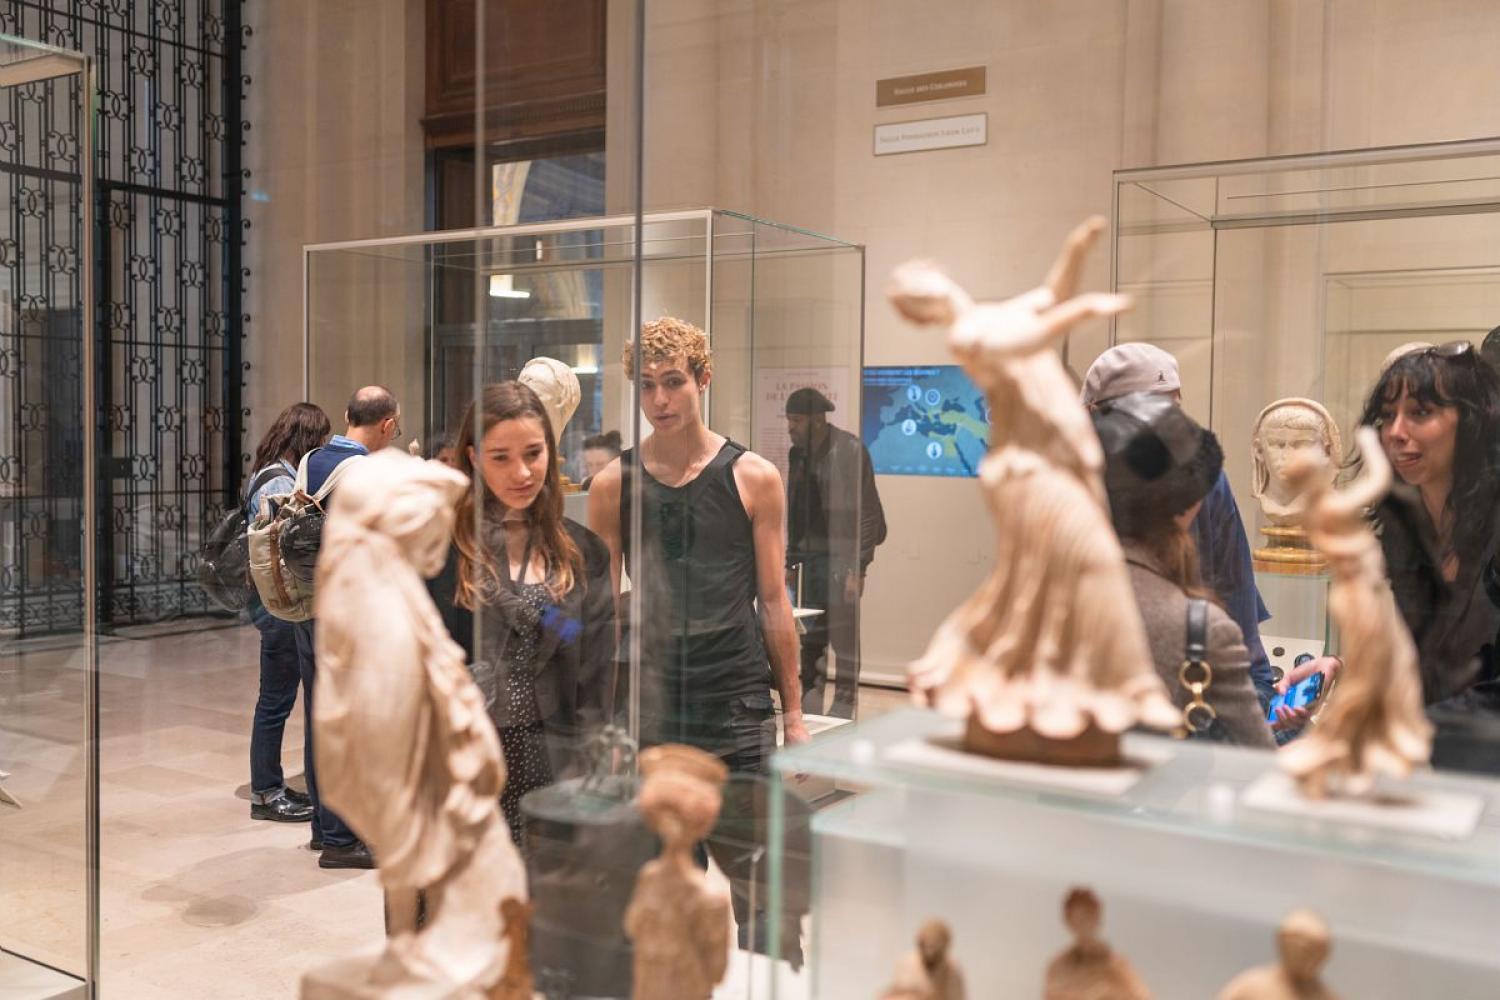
[1159,466]
[835,521]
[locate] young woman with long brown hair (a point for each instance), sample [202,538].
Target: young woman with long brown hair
[297,430]
[1159,465]
[540,584]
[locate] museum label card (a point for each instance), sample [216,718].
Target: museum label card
[932,133]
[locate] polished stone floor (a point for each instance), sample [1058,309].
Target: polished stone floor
[197,899]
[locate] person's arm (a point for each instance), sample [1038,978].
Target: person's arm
[760,486]
[794,504]
[871,513]
[1224,557]
[596,656]
[604,521]
[1231,694]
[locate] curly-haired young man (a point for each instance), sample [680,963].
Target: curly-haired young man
[717,628]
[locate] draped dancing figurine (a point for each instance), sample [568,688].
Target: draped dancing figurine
[1048,658]
[406,753]
[1373,724]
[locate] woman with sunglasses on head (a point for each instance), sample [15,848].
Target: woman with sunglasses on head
[1438,413]
[541,586]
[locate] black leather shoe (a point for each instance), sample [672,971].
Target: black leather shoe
[301,798]
[315,844]
[356,855]
[282,810]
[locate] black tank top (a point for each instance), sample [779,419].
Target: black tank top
[700,634]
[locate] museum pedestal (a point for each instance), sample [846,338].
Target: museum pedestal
[1193,882]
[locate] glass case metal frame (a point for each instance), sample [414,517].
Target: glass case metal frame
[24,62]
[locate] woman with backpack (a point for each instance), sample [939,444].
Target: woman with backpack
[1159,465]
[298,429]
[540,583]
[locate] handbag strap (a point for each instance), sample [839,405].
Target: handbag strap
[1196,675]
[1197,629]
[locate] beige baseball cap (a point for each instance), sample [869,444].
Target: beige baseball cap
[1127,368]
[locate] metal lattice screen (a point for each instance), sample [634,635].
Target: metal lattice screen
[169,322]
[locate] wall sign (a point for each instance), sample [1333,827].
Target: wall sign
[774,385]
[940,86]
[932,133]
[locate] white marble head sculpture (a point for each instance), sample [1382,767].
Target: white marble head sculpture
[1285,431]
[557,387]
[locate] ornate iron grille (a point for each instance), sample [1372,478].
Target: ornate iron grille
[169,324]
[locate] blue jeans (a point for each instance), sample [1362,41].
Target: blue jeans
[326,825]
[280,672]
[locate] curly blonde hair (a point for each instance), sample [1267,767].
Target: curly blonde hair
[667,338]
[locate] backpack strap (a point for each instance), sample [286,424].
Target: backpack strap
[263,477]
[274,538]
[300,483]
[332,480]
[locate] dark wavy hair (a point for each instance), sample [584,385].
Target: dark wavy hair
[477,568]
[1466,383]
[297,430]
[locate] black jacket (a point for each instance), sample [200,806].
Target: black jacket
[574,680]
[847,522]
[1454,625]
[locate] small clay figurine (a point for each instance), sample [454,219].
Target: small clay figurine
[516,981]
[1373,723]
[1048,658]
[927,972]
[1090,970]
[678,926]
[1288,431]
[1303,943]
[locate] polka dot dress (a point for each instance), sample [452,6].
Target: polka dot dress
[524,744]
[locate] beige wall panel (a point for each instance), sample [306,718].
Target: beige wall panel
[336,153]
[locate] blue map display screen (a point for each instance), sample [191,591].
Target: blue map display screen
[928,421]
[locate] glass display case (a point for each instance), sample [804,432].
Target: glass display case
[439,317]
[781,306]
[1295,276]
[1193,873]
[49,792]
